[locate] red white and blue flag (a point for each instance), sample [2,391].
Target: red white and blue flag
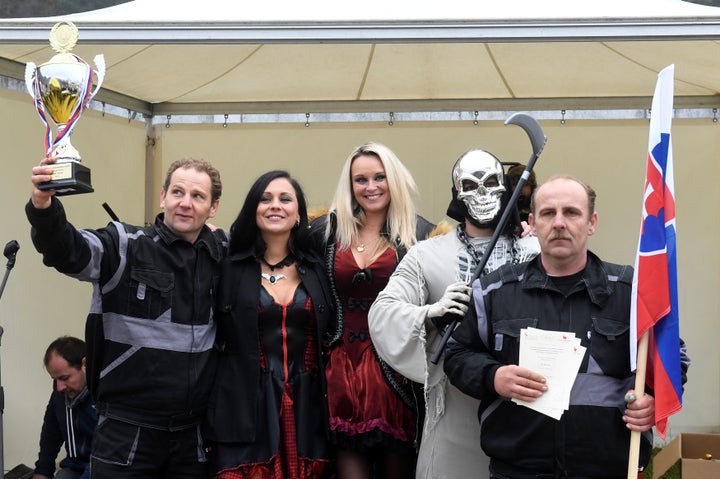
[655,289]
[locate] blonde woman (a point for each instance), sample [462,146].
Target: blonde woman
[371,224]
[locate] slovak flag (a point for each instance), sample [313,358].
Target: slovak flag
[654,308]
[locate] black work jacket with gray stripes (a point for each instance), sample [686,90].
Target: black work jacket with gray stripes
[150,330]
[590,440]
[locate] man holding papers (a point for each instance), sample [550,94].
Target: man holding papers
[546,350]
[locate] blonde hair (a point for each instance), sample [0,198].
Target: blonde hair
[400,221]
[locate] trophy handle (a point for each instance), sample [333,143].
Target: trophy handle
[99,72]
[30,73]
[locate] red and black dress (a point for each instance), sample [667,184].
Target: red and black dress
[365,411]
[290,439]
[267,413]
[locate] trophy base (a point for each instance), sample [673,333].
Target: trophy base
[69,178]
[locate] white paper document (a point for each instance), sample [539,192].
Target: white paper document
[556,355]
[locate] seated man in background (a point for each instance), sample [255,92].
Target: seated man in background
[70,415]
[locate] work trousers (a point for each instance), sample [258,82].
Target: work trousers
[126,451]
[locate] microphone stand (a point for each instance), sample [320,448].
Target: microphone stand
[11,249]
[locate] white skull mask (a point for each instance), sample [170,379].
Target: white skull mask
[479,180]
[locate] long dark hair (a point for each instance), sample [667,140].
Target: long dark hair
[244,232]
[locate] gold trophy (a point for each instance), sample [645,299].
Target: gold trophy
[62,88]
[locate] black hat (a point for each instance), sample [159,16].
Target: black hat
[457,209]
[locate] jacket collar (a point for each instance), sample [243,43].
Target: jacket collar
[213,242]
[242,255]
[595,278]
[71,403]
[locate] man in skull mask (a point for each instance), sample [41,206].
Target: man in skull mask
[427,291]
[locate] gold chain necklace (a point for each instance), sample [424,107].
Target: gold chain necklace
[361,247]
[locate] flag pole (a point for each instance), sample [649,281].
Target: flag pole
[635,436]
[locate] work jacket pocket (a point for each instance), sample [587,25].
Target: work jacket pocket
[150,293]
[115,442]
[506,337]
[609,347]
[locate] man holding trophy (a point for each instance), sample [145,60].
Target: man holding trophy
[150,330]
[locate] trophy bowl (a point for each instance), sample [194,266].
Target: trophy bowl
[62,89]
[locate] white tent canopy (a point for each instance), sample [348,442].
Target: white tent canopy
[174,57]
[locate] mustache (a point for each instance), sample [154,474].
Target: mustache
[559,235]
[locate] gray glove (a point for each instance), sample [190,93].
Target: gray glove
[452,306]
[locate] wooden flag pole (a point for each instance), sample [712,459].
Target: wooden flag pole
[634,457]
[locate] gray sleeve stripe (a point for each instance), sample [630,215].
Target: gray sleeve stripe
[91,272]
[479,302]
[491,408]
[122,252]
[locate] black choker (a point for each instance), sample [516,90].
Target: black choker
[273,278]
[286,261]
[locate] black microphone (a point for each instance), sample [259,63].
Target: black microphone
[11,249]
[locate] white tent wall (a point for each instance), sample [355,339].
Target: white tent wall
[39,304]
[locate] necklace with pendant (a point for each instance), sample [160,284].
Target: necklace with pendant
[361,247]
[271,277]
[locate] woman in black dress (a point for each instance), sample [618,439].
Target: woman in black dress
[267,416]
